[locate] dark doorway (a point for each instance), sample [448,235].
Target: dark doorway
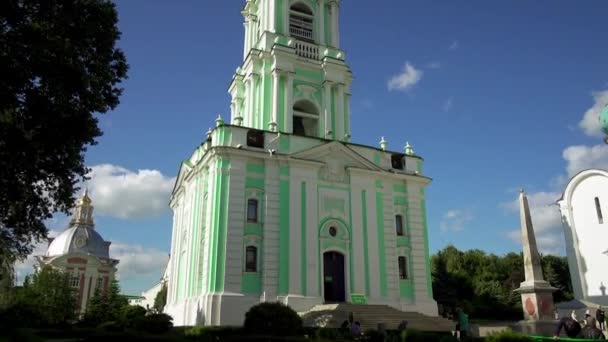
[333,277]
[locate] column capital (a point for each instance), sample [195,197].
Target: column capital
[277,72]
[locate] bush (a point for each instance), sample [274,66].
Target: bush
[20,315]
[157,323]
[273,319]
[131,315]
[508,336]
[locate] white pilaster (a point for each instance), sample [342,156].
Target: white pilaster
[246,43]
[289,104]
[347,115]
[248,101]
[340,131]
[232,111]
[335,39]
[327,127]
[276,74]
[321,20]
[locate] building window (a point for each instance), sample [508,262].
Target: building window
[397,161]
[252,210]
[255,138]
[251,259]
[333,231]
[99,283]
[399,225]
[598,209]
[74,281]
[301,22]
[402,267]
[305,119]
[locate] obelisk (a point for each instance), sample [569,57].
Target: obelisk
[536,293]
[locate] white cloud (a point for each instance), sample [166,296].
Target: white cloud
[135,260]
[138,261]
[545,220]
[447,105]
[581,157]
[455,220]
[590,123]
[455,44]
[406,79]
[433,65]
[26,267]
[123,193]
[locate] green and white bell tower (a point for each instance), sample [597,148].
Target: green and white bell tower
[293,78]
[277,203]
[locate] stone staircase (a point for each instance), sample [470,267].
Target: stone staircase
[332,315]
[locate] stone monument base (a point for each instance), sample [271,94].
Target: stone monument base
[539,328]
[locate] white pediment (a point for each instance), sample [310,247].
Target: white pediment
[337,157]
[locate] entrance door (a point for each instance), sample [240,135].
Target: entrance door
[333,277]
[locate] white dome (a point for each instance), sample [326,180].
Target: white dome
[79,240]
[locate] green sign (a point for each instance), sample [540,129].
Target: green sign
[358,299]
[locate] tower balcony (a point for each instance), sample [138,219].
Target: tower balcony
[307,50]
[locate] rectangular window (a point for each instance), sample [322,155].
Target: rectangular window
[99,282]
[598,209]
[402,267]
[399,225]
[251,259]
[397,161]
[252,210]
[74,281]
[255,138]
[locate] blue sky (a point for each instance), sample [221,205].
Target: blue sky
[495,95]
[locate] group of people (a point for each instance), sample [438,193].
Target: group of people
[589,328]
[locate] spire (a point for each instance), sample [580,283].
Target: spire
[83,212]
[536,293]
[531,256]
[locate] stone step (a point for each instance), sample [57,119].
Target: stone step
[370,315]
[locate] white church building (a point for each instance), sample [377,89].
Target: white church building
[279,204]
[81,252]
[584,210]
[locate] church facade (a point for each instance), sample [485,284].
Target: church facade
[584,210]
[278,204]
[82,253]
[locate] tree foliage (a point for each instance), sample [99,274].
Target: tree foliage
[46,299]
[482,284]
[161,298]
[106,306]
[60,67]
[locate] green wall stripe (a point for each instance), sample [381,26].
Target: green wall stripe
[365,242]
[279,16]
[381,251]
[350,239]
[304,259]
[326,26]
[281,114]
[333,113]
[195,237]
[284,232]
[222,229]
[429,285]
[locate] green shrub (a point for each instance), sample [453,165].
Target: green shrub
[20,315]
[273,319]
[131,315]
[156,323]
[508,336]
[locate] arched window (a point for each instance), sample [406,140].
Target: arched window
[598,210]
[301,22]
[252,210]
[399,225]
[305,119]
[251,259]
[402,267]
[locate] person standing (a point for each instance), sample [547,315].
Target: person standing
[600,315]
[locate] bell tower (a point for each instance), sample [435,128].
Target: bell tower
[293,78]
